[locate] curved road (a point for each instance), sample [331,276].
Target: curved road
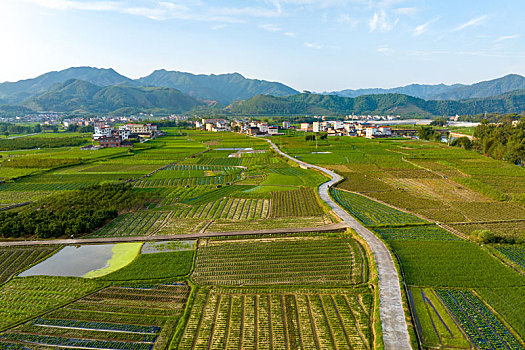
[395,332]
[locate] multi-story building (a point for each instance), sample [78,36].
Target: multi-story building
[286,125]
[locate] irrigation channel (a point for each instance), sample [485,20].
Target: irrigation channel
[395,331]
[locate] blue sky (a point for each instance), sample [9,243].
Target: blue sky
[318,45]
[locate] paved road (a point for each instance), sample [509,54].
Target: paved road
[332,227]
[395,332]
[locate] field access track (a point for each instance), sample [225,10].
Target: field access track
[333,227]
[395,331]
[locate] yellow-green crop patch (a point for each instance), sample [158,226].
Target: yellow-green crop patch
[123,255]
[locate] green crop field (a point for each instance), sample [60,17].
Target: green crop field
[300,202]
[372,213]
[17,259]
[131,317]
[323,261]
[271,319]
[23,298]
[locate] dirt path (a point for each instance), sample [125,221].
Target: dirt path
[332,227]
[395,332]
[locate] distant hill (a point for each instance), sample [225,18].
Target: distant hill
[15,92]
[512,102]
[488,88]
[82,96]
[223,88]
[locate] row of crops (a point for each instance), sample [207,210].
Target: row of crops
[370,212]
[227,208]
[130,317]
[37,187]
[513,252]
[277,320]
[300,202]
[286,261]
[133,224]
[417,233]
[15,259]
[186,167]
[231,161]
[188,181]
[478,321]
[26,297]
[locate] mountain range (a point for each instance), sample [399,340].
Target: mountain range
[488,88]
[95,90]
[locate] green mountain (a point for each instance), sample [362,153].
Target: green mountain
[222,88]
[82,96]
[488,88]
[16,92]
[396,104]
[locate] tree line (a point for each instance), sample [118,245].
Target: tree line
[71,213]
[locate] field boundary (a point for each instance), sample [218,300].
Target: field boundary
[327,228]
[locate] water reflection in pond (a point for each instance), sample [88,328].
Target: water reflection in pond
[73,261]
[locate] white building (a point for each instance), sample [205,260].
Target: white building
[318,127]
[286,125]
[273,130]
[263,127]
[372,132]
[124,132]
[102,131]
[305,126]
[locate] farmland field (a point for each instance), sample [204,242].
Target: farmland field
[306,260]
[225,318]
[372,213]
[22,298]
[16,259]
[127,317]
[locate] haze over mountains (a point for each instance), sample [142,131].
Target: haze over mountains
[94,90]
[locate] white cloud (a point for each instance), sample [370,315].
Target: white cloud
[381,22]
[383,49]
[420,29]
[346,20]
[313,46]
[166,9]
[507,37]
[290,34]
[270,27]
[473,22]
[407,11]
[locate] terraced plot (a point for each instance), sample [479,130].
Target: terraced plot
[306,260]
[132,317]
[370,212]
[248,319]
[17,259]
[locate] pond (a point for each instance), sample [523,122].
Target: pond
[73,261]
[167,246]
[86,260]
